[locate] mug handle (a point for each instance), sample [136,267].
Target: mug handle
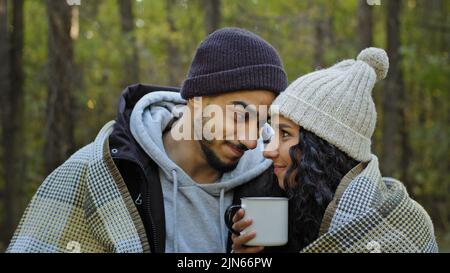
[229,213]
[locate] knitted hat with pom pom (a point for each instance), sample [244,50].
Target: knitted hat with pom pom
[336,103]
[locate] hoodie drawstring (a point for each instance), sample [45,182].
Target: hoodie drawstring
[174,198]
[222,221]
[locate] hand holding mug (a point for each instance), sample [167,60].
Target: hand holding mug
[239,224]
[259,221]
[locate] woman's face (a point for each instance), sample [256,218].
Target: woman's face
[277,150]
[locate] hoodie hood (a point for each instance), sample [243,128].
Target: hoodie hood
[121,139]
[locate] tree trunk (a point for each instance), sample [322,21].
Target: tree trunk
[322,28]
[12,116]
[59,130]
[131,58]
[212,15]
[173,56]
[319,44]
[4,54]
[365,24]
[5,91]
[398,82]
[395,140]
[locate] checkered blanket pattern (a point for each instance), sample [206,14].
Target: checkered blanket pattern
[82,206]
[376,214]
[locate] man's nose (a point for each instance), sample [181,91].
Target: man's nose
[248,137]
[249,144]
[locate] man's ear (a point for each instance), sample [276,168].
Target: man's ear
[204,100]
[190,102]
[196,105]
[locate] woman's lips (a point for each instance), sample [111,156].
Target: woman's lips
[278,169]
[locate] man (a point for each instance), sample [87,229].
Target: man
[139,187]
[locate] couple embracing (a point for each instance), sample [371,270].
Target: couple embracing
[139,187]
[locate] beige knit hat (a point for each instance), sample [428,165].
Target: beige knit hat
[336,103]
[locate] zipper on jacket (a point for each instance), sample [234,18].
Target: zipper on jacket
[146,205]
[148,209]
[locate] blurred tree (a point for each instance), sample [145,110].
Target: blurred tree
[173,55]
[213,15]
[365,24]
[131,56]
[4,92]
[59,130]
[4,48]
[13,113]
[394,138]
[319,35]
[4,54]
[322,22]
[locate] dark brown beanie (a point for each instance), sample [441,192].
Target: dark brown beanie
[232,59]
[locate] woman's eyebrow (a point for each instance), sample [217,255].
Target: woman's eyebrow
[284,126]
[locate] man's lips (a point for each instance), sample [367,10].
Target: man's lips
[236,151]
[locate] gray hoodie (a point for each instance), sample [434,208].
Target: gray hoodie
[193,212]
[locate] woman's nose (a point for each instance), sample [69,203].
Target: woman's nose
[271,150]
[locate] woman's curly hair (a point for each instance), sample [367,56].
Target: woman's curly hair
[310,183]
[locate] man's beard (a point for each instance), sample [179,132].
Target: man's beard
[215,161]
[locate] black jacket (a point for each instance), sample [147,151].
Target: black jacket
[141,176]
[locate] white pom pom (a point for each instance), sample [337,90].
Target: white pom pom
[377,59]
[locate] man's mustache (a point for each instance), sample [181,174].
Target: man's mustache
[239,146]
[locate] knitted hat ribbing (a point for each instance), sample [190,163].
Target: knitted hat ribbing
[336,103]
[232,59]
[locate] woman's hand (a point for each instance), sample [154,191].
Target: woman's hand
[238,241]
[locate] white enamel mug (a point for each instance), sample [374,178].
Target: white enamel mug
[270,220]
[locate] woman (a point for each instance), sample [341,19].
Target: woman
[322,159]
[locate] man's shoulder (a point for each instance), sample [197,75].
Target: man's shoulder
[94,151]
[83,154]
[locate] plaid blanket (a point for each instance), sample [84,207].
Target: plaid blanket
[82,206]
[373,214]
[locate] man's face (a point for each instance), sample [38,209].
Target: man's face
[243,112]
